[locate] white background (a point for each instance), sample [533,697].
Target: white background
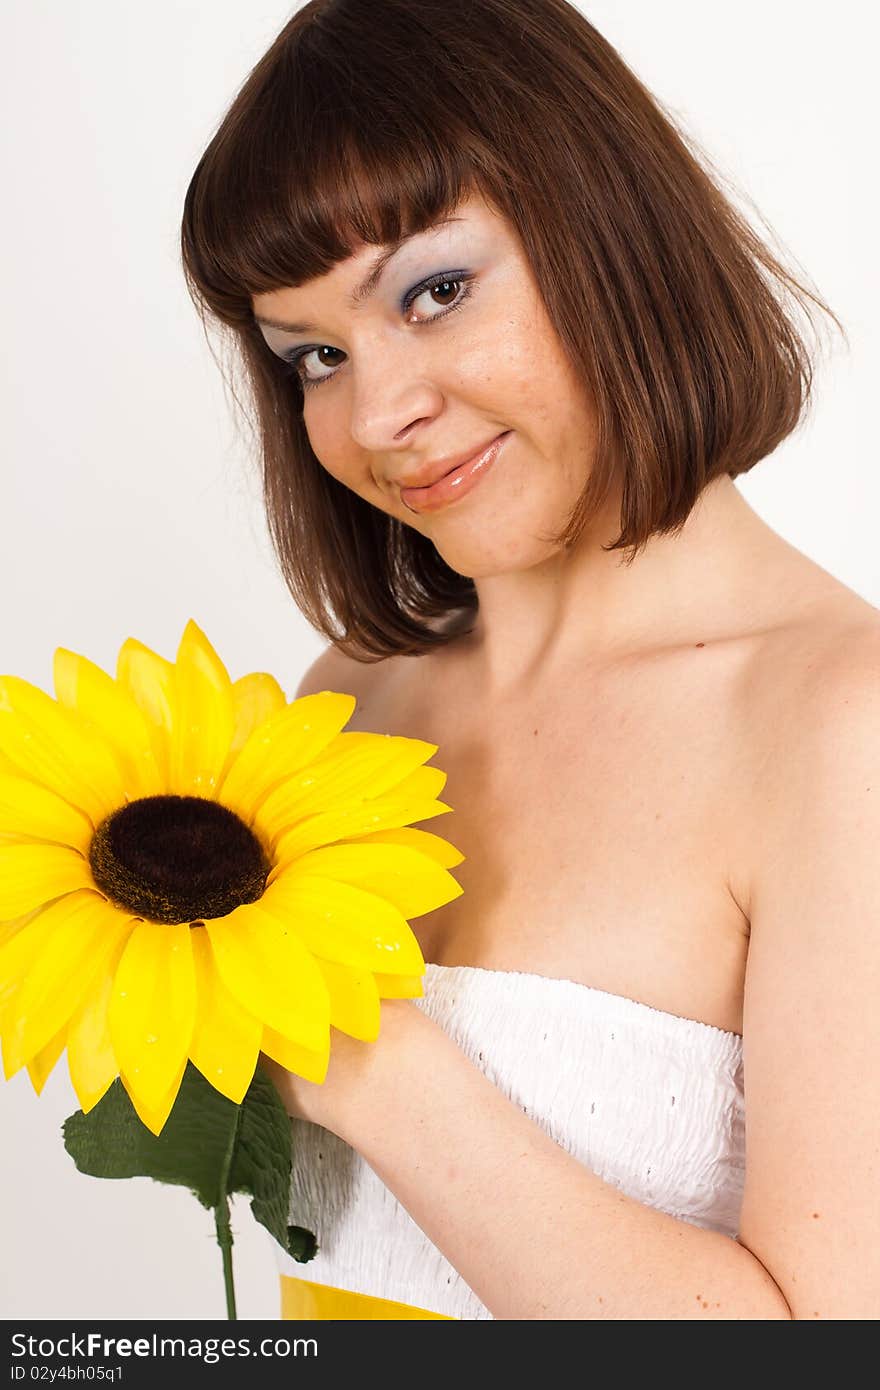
[131,501]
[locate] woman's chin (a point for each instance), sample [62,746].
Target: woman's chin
[481,557]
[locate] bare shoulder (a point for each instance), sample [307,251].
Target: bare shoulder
[832,736]
[833,714]
[811,670]
[812,699]
[802,680]
[332,669]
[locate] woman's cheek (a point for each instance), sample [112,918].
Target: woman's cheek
[328,444]
[353,473]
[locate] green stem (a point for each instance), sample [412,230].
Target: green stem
[224,1240]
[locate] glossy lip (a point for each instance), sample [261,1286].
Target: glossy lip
[459,481]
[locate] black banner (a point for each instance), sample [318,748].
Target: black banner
[195,1353]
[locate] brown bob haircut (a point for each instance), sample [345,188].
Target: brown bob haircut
[367,121]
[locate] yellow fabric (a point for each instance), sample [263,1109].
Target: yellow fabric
[300,1298]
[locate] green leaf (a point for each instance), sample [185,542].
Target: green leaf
[208,1144]
[261,1165]
[192,1150]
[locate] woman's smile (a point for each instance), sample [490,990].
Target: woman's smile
[457,482]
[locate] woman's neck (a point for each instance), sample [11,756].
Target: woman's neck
[709,580]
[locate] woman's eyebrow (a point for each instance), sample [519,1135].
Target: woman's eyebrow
[364,290]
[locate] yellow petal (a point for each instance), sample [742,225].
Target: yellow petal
[226,1041]
[264,963]
[15,924]
[353,767]
[56,747]
[149,679]
[282,745]
[29,809]
[41,1065]
[419,785]
[152,1010]
[19,947]
[34,874]
[312,1066]
[255,697]
[204,717]
[423,840]
[413,882]
[153,1114]
[91,1060]
[345,924]
[6,764]
[82,686]
[77,935]
[345,824]
[354,1000]
[400,986]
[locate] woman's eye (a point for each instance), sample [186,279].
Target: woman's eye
[445,292]
[448,290]
[296,364]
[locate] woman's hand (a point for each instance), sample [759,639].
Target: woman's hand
[357,1070]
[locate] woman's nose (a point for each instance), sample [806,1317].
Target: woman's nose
[392,393]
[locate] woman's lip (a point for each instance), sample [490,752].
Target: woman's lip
[455,484]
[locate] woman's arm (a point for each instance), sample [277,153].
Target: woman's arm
[532,1231]
[811,1019]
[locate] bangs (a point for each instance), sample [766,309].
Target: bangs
[318,157]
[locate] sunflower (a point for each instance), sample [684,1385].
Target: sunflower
[194,868]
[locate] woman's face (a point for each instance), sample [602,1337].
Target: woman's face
[450,349]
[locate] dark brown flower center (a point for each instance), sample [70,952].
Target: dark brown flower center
[177,859]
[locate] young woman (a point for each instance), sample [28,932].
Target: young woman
[508,347]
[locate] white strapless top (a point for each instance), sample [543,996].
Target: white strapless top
[649,1101]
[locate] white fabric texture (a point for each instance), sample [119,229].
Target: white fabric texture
[651,1102]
